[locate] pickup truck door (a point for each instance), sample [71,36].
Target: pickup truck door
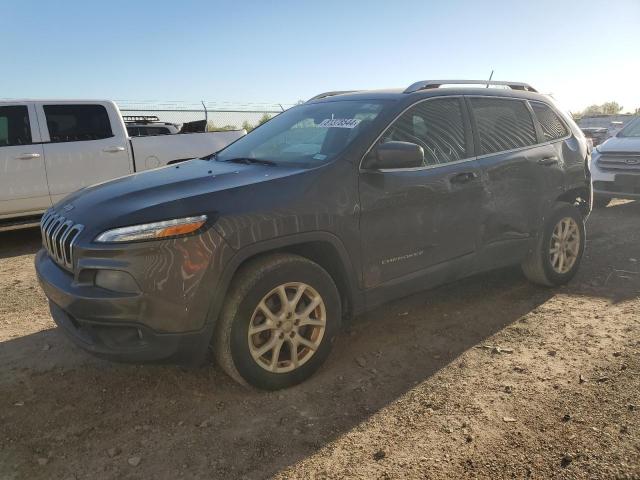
[84,144]
[23,179]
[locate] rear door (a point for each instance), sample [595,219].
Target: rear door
[23,179]
[83,145]
[416,218]
[506,139]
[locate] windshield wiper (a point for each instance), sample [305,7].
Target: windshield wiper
[250,161]
[211,156]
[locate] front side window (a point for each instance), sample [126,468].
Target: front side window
[502,124]
[76,123]
[552,127]
[437,126]
[14,126]
[306,135]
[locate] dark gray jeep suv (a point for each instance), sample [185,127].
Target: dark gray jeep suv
[331,208]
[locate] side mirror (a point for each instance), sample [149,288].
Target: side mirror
[395,155]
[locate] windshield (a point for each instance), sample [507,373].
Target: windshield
[306,135]
[631,130]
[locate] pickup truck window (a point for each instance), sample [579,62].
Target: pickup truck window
[14,126]
[77,123]
[306,135]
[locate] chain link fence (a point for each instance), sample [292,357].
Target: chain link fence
[218,116]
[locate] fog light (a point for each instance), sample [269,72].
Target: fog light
[116,281]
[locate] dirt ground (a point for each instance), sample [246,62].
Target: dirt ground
[490,377]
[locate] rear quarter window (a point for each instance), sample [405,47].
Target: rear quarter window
[552,127]
[502,124]
[76,123]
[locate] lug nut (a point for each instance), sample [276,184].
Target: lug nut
[281,336]
[292,334]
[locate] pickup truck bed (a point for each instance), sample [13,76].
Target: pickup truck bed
[156,151]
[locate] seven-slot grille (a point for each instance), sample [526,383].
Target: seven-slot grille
[620,162]
[58,235]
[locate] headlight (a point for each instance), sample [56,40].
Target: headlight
[155,230]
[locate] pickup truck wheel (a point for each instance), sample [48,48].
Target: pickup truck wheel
[278,322]
[601,202]
[558,249]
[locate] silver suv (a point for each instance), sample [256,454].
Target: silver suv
[615,166]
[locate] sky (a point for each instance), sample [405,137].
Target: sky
[279,51]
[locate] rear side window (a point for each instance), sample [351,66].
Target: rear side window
[76,123]
[502,124]
[437,126]
[552,127]
[14,126]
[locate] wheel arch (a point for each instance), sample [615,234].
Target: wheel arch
[578,196]
[323,248]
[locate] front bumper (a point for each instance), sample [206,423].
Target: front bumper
[614,184]
[110,324]
[614,189]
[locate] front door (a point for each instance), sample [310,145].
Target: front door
[23,179]
[414,219]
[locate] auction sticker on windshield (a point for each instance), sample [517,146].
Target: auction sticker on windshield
[339,123]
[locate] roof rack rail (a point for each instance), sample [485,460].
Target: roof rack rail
[427,84]
[140,118]
[330,94]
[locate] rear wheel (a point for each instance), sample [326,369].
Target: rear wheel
[600,201]
[557,252]
[278,323]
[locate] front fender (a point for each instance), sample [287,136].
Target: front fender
[285,243]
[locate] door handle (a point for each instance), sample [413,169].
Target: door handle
[463,177]
[113,149]
[548,161]
[28,156]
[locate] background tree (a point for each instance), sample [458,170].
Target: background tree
[607,108]
[265,118]
[211,127]
[611,108]
[592,110]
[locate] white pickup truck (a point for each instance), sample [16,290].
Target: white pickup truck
[49,149]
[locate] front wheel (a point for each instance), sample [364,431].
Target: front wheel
[557,252]
[278,322]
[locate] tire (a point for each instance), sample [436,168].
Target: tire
[601,202]
[258,283]
[539,266]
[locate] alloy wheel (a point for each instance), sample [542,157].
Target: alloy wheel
[287,327]
[564,246]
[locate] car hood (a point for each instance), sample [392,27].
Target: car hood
[174,191]
[620,144]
